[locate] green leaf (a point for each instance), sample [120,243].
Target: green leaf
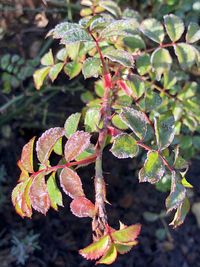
[117,122]
[174,27]
[153,29]
[161,61]
[123,27]
[126,235]
[181,213]
[165,130]
[91,67]
[71,124]
[47,59]
[143,64]
[62,54]
[193,33]
[120,56]
[124,146]
[73,69]
[92,118]
[153,169]
[136,85]
[54,193]
[110,256]
[135,120]
[55,70]
[134,42]
[186,55]
[58,147]
[123,249]
[177,194]
[96,249]
[111,7]
[39,76]
[151,101]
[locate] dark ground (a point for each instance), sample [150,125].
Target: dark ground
[60,233]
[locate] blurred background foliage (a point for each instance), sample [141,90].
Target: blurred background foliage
[25,112]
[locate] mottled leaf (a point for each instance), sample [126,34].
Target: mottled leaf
[186,55]
[27,156]
[82,207]
[39,194]
[111,7]
[46,143]
[161,61]
[181,213]
[135,120]
[92,118]
[193,33]
[71,183]
[153,169]
[174,27]
[120,56]
[71,124]
[73,69]
[76,144]
[136,85]
[96,249]
[54,193]
[165,130]
[153,29]
[124,146]
[55,70]
[91,67]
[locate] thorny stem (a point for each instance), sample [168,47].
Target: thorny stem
[85,161]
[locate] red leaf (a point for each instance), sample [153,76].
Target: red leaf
[71,183]
[76,144]
[46,142]
[97,249]
[124,87]
[27,156]
[24,174]
[39,195]
[126,235]
[82,207]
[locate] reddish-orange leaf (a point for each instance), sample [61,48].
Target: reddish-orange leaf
[97,249]
[46,142]
[127,235]
[71,183]
[82,207]
[27,156]
[39,195]
[20,199]
[76,144]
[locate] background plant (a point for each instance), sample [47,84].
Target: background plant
[142,101]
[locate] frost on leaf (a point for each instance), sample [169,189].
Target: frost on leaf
[39,196]
[46,142]
[153,169]
[135,120]
[76,144]
[82,207]
[96,249]
[27,156]
[71,183]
